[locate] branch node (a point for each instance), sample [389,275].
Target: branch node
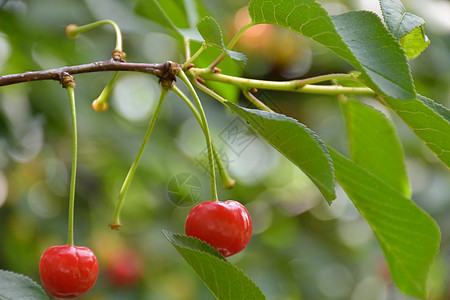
[167,75]
[117,55]
[67,80]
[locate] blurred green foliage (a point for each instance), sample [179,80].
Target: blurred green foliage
[301,247]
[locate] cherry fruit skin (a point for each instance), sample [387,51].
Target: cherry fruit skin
[68,271]
[225,225]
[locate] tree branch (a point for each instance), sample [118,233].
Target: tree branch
[163,71]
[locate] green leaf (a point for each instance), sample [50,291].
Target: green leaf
[375,146]
[408,236]
[358,37]
[296,142]
[15,286]
[212,34]
[383,61]
[406,27]
[429,121]
[222,278]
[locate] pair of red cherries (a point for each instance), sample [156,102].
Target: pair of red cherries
[69,271]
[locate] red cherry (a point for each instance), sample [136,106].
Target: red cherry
[124,268]
[226,225]
[68,271]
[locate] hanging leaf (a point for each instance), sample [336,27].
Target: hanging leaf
[358,37]
[375,146]
[221,277]
[296,142]
[407,235]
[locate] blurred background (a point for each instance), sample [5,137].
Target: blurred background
[301,248]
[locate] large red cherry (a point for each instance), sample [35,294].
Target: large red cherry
[226,225]
[68,271]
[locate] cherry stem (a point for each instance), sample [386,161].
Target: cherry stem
[227,181]
[115,224]
[74,30]
[103,97]
[206,132]
[70,91]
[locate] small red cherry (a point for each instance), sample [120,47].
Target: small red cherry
[68,271]
[226,225]
[124,268]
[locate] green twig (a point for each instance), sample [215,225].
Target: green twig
[115,224]
[300,85]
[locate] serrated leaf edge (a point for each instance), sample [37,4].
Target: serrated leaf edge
[222,45]
[405,12]
[213,251]
[365,67]
[433,105]
[219,256]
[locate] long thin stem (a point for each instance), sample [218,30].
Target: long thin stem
[227,180]
[115,224]
[100,104]
[206,132]
[70,240]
